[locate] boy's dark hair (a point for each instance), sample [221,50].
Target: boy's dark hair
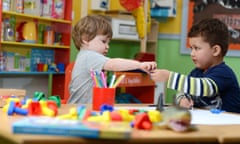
[213,31]
[90,26]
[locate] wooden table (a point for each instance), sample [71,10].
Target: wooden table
[203,134]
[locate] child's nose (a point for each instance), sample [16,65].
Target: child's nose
[107,46]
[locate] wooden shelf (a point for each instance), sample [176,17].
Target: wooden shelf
[152,37]
[28,16]
[153,34]
[61,52]
[33,45]
[29,73]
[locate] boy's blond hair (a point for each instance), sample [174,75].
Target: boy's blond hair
[90,26]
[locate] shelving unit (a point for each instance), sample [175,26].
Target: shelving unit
[152,37]
[139,84]
[61,51]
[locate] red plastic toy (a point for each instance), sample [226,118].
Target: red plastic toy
[34,108]
[130,5]
[142,121]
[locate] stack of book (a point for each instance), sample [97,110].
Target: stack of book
[85,129]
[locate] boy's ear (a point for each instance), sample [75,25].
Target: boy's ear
[85,42]
[216,50]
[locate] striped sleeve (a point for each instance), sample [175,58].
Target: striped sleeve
[191,85]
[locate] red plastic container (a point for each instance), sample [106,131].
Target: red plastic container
[103,96]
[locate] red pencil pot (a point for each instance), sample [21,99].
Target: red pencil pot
[103,96]
[40,67]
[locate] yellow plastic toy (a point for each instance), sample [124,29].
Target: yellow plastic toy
[29,32]
[136,7]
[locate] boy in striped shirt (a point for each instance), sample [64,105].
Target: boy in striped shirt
[212,83]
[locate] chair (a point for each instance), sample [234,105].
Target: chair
[68,76]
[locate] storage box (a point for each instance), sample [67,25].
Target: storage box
[124,28]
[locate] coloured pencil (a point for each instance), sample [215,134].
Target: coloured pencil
[112,80]
[118,81]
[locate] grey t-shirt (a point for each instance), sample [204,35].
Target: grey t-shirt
[81,83]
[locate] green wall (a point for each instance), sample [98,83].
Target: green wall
[168,57]
[124,49]
[73,52]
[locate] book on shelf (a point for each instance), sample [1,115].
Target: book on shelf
[85,129]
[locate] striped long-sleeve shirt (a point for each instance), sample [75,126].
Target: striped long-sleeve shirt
[219,80]
[191,85]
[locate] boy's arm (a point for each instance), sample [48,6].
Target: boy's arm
[160,75]
[120,64]
[191,85]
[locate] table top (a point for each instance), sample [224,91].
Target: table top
[204,134]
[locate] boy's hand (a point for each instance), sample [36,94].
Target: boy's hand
[159,75]
[186,103]
[148,66]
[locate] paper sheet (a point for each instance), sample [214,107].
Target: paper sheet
[205,117]
[202,117]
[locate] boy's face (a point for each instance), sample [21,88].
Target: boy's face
[202,54]
[99,44]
